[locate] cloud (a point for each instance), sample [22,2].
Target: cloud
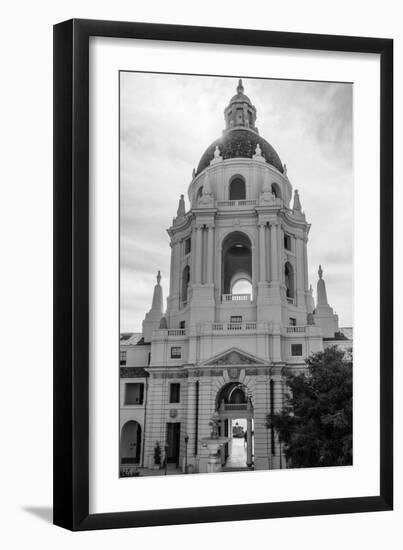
[167,122]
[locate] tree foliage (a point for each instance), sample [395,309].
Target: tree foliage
[315,426]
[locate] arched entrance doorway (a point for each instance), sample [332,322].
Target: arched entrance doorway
[130,443]
[235,409]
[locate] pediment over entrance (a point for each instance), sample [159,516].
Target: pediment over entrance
[234,357]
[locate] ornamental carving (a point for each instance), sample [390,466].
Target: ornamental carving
[233,373]
[235,358]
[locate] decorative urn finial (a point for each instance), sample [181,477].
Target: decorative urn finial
[320,271]
[181,207]
[297,202]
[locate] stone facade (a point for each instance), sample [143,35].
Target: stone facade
[212,349]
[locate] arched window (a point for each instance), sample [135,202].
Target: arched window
[289,280]
[275,189]
[199,192]
[233,393]
[185,283]
[237,190]
[242,286]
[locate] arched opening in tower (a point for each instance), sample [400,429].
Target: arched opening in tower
[289,280]
[185,283]
[275,189]
[236,262]
[237,191]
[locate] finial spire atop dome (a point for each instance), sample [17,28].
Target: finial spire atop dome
[240,112]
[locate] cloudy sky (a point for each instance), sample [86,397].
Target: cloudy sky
[167,121]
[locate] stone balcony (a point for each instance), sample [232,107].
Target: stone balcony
[169,334]
[239,204]
[300,328]
[225,298]
[233,327]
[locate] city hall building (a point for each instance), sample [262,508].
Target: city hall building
[240,312]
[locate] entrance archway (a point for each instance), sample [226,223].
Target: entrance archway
[130,443]
[234,406]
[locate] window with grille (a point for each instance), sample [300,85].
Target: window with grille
[296,349]
[123,358]
[236,319]
[176,352]
[287,242]
[174,392]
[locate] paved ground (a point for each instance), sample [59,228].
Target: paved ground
[237,453]
[171,471]
[236,459]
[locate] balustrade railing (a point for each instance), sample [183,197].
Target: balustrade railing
[176,332]
[233,326]
[236,298]
[235,406]
[243,202]
[296,329]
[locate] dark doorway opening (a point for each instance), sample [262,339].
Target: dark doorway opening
[130,447]
[173,442]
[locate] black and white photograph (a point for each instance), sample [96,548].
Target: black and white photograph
[236,274]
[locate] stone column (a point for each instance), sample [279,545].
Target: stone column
[280,267]
[249,442]
[193,255]
[210,253]
[198,253]
[305,254]
[191,419]
[274,248]
[300,275]
[175,275]
[219,273]
[262,251]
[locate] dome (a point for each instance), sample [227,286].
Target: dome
[240,143]
[240,97]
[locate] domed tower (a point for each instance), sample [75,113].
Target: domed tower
[240,227]
[240,307]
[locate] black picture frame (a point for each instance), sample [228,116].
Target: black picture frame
[71,273]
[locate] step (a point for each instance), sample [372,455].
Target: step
[237,468]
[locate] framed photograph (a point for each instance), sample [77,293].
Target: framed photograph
[223,267]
